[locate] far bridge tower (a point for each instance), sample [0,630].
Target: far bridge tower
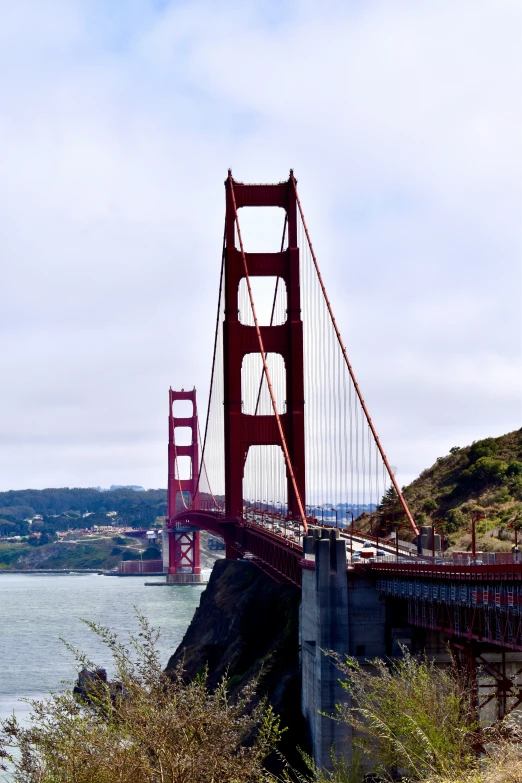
[182,553]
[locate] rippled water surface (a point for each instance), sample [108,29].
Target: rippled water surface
[36,610]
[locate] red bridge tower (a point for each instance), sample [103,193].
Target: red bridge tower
[241,430]
[183,538]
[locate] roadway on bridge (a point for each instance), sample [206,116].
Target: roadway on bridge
[361,547]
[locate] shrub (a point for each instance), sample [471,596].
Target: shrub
[454,520]
[485,470]
[152,728]
[482,448]
[516,488]
[514,468]
[152,553]
[10,553]
[130,554]
[502,495]
[429,505]
[410,715]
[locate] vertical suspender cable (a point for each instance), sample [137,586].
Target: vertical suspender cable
[213,368]
[350,369]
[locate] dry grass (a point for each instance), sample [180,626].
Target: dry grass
[502,762]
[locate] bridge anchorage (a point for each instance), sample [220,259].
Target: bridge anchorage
[290,459]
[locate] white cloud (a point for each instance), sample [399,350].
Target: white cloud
[403,124]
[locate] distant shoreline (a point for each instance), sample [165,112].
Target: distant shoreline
[64,571]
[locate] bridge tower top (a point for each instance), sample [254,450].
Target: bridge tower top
[186,488]
[285,430]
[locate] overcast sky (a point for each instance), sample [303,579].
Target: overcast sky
[118,121]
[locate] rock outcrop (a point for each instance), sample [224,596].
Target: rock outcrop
[247,625]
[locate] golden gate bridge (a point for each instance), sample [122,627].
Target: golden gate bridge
[288,434]
[262,446]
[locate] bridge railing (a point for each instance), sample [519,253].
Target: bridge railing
[276,524]
[475,569]
[210,505]
[461,559]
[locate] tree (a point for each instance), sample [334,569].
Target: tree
[514,468]
[152,553]
[7,528]
[151,727]
[429,505]
[390,507]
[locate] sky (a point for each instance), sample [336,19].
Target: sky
[118,122]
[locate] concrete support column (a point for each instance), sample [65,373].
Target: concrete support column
[341,611]
[324,627]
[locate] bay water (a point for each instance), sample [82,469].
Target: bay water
[36,610]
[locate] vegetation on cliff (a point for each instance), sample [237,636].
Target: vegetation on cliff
[247,626]
[205,724]
[484,479]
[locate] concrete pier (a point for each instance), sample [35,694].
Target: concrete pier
[346,612]
[341,613]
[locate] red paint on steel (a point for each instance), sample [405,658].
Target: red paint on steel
[473,572]
[184,551]
[350,368]
[284,430]
[176,485]
[184,546]
[474,624]
[281,556]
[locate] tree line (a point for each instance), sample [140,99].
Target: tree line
[68,504]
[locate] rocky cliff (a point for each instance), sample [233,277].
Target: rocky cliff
[247,625]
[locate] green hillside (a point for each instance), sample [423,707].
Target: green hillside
[485,479]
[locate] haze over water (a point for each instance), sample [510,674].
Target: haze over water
[36,610]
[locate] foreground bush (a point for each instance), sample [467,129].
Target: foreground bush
[413,721]
[501,761]
[151,729]
[411,716]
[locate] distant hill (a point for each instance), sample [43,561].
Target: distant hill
[484,478]
[134,508]
[67,508]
